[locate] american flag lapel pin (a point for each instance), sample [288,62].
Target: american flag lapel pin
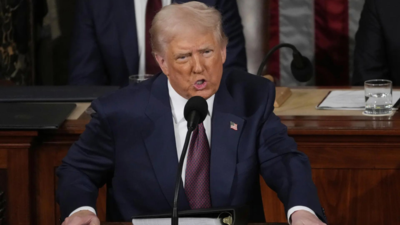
[234,126]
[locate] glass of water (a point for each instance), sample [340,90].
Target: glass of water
[378,97]
[138,78]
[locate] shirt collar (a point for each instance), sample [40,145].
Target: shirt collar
[178,104]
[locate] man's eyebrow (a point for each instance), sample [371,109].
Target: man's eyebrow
[182,54]
[202,49]
[206,48]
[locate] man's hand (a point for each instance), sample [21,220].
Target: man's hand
[84,217]
[302,217]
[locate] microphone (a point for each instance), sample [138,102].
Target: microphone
[301,66]
[195,112]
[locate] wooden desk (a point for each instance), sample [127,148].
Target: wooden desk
[16,174]
[355,163]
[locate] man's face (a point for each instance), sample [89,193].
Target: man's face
[193,62]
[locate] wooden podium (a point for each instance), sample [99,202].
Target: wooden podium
[281,93]
[355,162]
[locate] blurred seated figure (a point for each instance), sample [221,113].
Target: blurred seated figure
[377,51]
[111,39]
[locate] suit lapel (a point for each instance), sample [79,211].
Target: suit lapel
[160,141]
[124,11]
[224,144]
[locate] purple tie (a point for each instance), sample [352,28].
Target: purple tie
[197,178]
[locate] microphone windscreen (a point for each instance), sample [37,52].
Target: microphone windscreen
[304,73]
[198,104]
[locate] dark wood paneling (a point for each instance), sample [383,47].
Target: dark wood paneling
[44,186]
[349,196]
[3,187]
[47,158]
[359,196]
[15,161]
[16,139]
[18,134]
[101,203]
[3,158]
[3,180]
[273,208]
[350,155]
[19,186]
[355,164]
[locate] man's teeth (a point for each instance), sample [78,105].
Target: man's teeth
[200,82]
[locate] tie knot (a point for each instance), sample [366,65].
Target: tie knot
[199,130]
[200,126]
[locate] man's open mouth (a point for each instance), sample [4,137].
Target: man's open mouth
[200,84]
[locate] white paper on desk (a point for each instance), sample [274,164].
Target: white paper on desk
[182,221]
[349,100]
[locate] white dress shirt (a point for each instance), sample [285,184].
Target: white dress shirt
[140,15]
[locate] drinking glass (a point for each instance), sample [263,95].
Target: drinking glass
[138,78]
[378,97]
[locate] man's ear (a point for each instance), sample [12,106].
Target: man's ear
[162,63]
[223,54]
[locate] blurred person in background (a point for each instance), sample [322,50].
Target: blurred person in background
[111,39]
[377,51]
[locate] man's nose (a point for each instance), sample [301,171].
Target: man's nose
[198,66]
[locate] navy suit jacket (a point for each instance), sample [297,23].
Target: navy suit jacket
[104,48]
[377,50]
[130,145]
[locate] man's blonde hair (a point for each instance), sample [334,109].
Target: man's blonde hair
[194,14]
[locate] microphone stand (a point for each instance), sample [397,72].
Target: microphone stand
[268,55]
[191,127]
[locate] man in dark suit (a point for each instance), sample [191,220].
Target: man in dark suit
[135,137]
[377,50]
[111,39]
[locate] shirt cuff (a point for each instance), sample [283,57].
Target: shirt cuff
[297,208]
[84,208]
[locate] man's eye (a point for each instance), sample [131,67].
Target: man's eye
[182,57]
[207,52]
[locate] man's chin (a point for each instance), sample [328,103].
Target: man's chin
[206,94]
